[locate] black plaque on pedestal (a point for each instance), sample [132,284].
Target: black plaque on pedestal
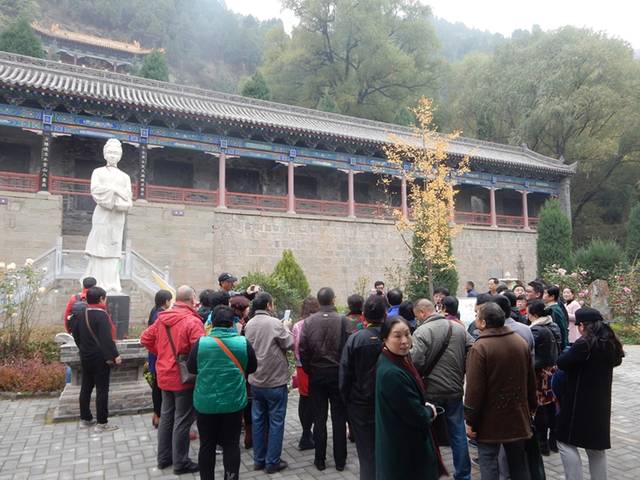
[118,306]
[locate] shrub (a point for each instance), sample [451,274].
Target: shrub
[577,281]
[284,296]
[624,294]
[31,375]
[599,258]
[418,284]
[632,245]
[629,334]
[554,237]
[291,273]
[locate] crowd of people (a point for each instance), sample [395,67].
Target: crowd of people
[529,377]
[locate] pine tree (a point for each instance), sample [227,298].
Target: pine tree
[554,237]
[256,87]
[632,245]
[20,38]
[290,272]
[155,67]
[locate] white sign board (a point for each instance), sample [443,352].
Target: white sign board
[467,309]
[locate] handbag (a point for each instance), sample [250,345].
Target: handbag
[181,360]
[109,362]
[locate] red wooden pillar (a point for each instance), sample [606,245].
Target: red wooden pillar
[492,203]
[222,180]
[291,194]
[352,194]
[525,210]
[403,196]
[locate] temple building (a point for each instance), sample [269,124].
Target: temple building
[225,183]
[85,50]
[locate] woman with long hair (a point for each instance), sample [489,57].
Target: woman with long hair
[310,306]
[404,444]
[572,306]
[547,340]
[583,388]
[162,302]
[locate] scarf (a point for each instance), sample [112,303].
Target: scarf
[542,321]
[407,365]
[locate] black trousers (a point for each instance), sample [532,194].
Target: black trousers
[96,374]
[156,397]
[219,429]
[323,389]
[362,420]
[305,414]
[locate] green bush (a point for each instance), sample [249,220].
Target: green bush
[599,258]
[554,237]
[632,245]
[284,297]
[290,273]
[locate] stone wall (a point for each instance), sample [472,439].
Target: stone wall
[30,224]
[483,252]
[202,242]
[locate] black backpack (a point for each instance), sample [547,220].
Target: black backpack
[77,312]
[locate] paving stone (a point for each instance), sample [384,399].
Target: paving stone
[31,449]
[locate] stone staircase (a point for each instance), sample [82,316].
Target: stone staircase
[65,265]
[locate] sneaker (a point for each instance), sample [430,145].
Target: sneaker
[87,423]
[105,427]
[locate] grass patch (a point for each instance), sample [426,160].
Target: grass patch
[629,334]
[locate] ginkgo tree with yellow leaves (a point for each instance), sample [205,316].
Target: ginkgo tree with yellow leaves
[430,173]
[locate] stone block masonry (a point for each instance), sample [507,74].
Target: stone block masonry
[200,242]
[30,224]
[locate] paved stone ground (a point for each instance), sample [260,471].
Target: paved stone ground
[30,449]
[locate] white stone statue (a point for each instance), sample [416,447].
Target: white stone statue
[111,190]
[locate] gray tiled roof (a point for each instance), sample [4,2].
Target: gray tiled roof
[60,79]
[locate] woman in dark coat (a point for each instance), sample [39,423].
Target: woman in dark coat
[404,445]
[584,394]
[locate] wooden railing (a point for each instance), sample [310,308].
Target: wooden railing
[250,201]
[192,196]
[473,218]
[22,182]
[19,182]
[322,207]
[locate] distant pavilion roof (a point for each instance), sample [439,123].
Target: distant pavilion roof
[52,78]
[56,32]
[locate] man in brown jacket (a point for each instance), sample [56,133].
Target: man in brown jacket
[500,396]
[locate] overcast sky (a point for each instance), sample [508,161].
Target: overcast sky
[619,18]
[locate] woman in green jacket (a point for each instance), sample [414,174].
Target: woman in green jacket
[222,360]
[404,445]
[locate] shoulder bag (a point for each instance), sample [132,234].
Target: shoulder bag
[181,360]
[109,362]
[229,354]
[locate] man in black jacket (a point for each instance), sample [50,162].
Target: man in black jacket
[321,343]
[357,382]
[93,334]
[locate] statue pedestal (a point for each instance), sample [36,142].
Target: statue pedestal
[129,392]
[118,306]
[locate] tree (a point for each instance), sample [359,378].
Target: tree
[256,87]
[554,237]
[288,270]
[430,180]
[155,67]
[20,38]
[571,94]
[599,258]
[632,245]
[373,56]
